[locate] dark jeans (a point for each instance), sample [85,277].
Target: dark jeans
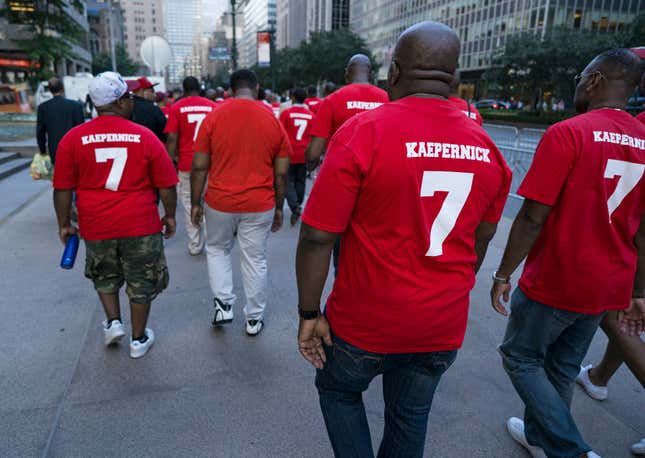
[296,186]
[409,383]
[542,351]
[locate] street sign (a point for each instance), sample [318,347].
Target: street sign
[219,53]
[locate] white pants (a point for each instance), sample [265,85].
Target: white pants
[195,236]
[252,232]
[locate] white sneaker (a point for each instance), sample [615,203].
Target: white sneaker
[114,333]
[639,448]
[223,312]
[138,349]
[593,454]
[253,327]
[515,427]
[599,393]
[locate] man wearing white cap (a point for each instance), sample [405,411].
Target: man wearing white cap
[115,166]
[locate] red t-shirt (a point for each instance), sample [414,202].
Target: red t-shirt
[243,140]
[186,116]
[297,122]
[114,165]
[313,103]
[468,108]
[276,109]
[166,111]
[392,180]
[341,105]
[641,117]
[589,169]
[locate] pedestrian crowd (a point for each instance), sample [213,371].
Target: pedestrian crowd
[408,197]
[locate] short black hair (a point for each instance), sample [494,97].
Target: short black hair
[621,64]
[55,85]
[191,84]
[244,78]
[299,94]
[312,91]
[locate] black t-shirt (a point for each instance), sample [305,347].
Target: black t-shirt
[149,115]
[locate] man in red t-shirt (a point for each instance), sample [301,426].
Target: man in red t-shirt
[467,108]
[357,97]
[186,116]
[582,225]
[244,151]
[417,194]
[312,101]
[297,122]
[114,166]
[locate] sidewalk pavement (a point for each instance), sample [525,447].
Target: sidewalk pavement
[218,393]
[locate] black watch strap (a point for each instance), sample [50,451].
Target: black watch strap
[308,314]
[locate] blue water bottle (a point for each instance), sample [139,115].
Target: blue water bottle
[69,255]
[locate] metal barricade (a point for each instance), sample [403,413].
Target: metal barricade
[518,147]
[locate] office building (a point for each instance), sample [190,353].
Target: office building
[15,64]
[259,16]
[142,19]
[327,15]
[483,25]
[291,27]
[106,26]
[185,37]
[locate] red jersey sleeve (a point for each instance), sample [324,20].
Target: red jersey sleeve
[496,208]
[332,199]
[553,161]
[65,172]
[641,117]
[323,122]
[203,142]
[172,126]
[162,171]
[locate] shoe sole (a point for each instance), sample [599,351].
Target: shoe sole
[593,396]
[250,334]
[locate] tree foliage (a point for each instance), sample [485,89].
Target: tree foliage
[51,33]
[124,65]
[530,66]
[322,58]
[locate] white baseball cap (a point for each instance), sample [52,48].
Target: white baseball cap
[106,87]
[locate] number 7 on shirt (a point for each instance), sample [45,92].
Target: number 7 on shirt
[120,157]
[458,186]
[301,124]
[198,118]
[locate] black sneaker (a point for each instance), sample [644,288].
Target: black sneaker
[223,312]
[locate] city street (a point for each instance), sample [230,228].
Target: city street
[202,392]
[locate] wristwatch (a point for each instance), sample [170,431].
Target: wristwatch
[308,314]
[498,279]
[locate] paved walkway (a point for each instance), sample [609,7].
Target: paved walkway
[207,393]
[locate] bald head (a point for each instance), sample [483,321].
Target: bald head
[358,69]
[424,61]
[55,85]
[609,80]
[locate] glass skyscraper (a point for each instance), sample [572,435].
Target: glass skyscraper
[183,30]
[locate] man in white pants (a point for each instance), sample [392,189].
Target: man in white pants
[184,120]
[244,151]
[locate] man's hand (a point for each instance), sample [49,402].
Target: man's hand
[311,335]
[503,290]
[197,215]
[632,320]
[66,232]
[278,218]
[170,226]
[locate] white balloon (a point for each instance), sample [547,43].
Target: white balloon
[155,53]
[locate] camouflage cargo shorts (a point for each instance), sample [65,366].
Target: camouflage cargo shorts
[138,261]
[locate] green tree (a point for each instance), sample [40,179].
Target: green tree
[322,58]
[124,65]
[530,66]
[51,33]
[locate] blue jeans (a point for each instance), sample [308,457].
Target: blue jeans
[542,351]
[409,383]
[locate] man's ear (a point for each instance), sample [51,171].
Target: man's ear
[595,82]
[393,74]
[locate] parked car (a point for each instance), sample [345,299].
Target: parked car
[13,100]
[489,104]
